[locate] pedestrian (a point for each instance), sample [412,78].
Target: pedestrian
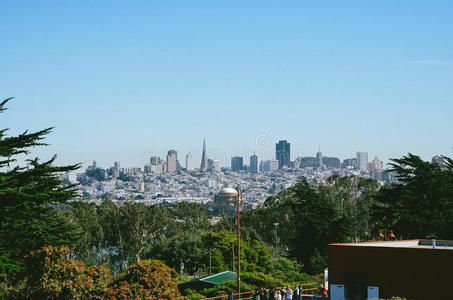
[289,293]
[278,295]
[257,295]
[230,295]
[323,292]
[271,294]
[296,292]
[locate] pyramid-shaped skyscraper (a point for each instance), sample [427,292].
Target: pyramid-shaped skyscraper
[204,158]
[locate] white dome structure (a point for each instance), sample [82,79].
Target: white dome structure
[228,191]
[227,196]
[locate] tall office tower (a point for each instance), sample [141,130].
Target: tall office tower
[204,158]
[190,162]
[210,164]
[254,163]
[283,154]
[237,164]
[116,169]
[172,158]
[376,164]
[269,165]
[273,165]
[216,165]
[155,160]
[213,165]
[362,161]
[319,159]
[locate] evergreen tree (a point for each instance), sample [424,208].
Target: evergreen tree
[420,205]
[28,199]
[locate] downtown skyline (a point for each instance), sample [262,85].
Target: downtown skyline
[264,152]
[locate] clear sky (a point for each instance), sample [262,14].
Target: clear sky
[122,80]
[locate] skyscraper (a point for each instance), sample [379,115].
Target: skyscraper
[190,162]
[283,154]
[204,158]
[213,165]
[254,163]
[319,158]
[237,164]
[362,161]
[172,158]
[376,164]
[155,160]
[116,169]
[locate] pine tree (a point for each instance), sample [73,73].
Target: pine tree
[420,204]
[29,199]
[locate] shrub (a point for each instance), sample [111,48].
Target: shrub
[145,280]
[52,275]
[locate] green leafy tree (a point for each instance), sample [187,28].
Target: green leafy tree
[254,256]
[420,204]
[90,246]
[28,197]
[354,197]
[114,242]
[190,216]
[141,225]
[317,223]
[184,247]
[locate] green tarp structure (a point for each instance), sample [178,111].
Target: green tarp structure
[208,282]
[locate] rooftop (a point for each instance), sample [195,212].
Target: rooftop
[420,244]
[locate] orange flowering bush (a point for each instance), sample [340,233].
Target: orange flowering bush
[148,279]
[53,275]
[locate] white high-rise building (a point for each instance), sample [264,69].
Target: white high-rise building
[190,165]
[269,165]
[362,161]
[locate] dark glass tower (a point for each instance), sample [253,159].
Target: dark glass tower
[283,154]
[237,164]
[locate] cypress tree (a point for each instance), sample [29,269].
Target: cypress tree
[29,200]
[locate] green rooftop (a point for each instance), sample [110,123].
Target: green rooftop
[208,282]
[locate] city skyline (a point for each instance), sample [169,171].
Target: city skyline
[252,160]
[346,76]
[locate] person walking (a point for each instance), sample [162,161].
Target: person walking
[289,293]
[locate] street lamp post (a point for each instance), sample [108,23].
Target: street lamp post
[276,239]
[239,233]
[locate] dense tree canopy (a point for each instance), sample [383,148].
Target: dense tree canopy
[420,205]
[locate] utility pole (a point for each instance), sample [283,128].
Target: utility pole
[239,194]
[232,261]
[276,239]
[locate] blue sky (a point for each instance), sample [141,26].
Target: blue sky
[121,80]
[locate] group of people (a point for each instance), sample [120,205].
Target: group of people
[285,293]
